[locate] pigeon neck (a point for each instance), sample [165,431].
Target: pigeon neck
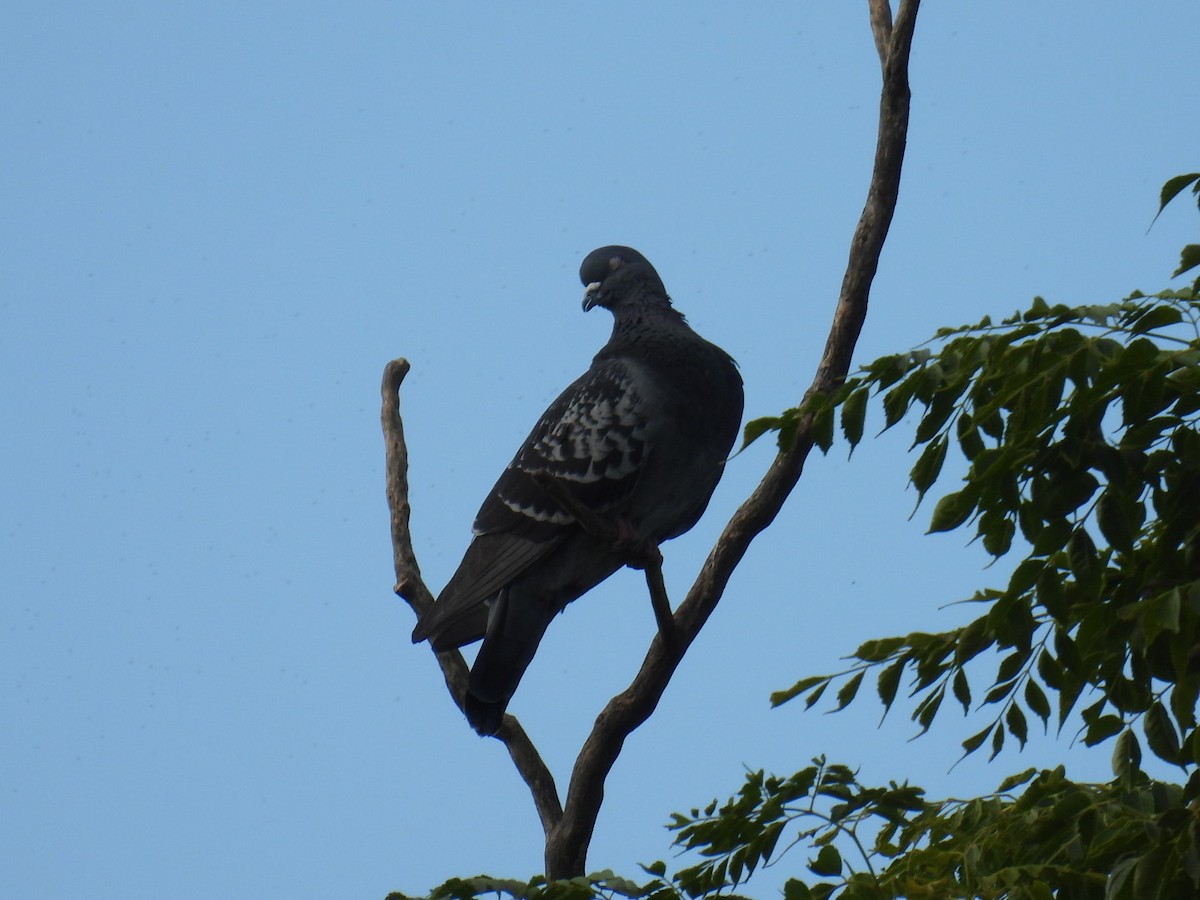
[647,313]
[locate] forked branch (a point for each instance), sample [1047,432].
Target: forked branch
[569,828]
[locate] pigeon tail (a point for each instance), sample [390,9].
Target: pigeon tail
[519,617]
[486,718]
[514,630]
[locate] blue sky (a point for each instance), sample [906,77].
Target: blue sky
[220,220]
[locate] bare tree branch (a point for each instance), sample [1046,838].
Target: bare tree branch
[569,830]
[566,846]
[411,587]
[881,28]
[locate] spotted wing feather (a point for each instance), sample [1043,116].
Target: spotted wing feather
[591,441]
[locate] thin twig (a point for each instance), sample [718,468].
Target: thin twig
[881,28]
[660,601]
[411,587]
[566,847]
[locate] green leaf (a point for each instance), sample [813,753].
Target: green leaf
[879,649]
[1160,613]
[1067,494]
[1052,538]
[998,693]
[889,681]
[1039,309]
[1017,780]
[815,695]
[928,466]
[1068,653]
[998,533]
[1156,317]
[657,868]
[1189,258]
[1185,694]
[828,861]
[821,429]
[1011,665]
[1120,882]
[973,640]
[848,691]
[1148,875]
[939,412]
[952,510]
[975,741]
[1024,577]
[780,697]
[756,428]
[1015,719]
[1161,735]
[1117,521]
[1082,556]
[1127,756]
[854,413]
[1049,670]
[1101,729]
[927,709]
[1068,694]
[1035,698]
[968,437]
[962,690]
[1175,186]
[997,742]
[897,401]
[991,423]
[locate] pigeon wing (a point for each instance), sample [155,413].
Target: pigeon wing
[592,442]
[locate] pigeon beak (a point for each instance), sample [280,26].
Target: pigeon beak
[591,295]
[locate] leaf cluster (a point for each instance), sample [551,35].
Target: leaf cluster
[1128,840]
[1190,257]
[1132,839]
[602,885]
[1080,432]
[1080,428]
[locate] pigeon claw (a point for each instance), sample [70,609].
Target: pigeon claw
[639,552]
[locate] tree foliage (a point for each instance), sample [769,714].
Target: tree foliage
[1080,431]
[1079,426]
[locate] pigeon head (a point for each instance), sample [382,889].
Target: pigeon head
[612,274]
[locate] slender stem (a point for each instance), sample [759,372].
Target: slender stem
[660,601]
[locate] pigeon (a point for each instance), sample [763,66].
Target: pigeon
[640,439]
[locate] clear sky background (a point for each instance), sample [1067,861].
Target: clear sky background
[219,222]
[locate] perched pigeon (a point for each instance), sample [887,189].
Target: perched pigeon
[641,438]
